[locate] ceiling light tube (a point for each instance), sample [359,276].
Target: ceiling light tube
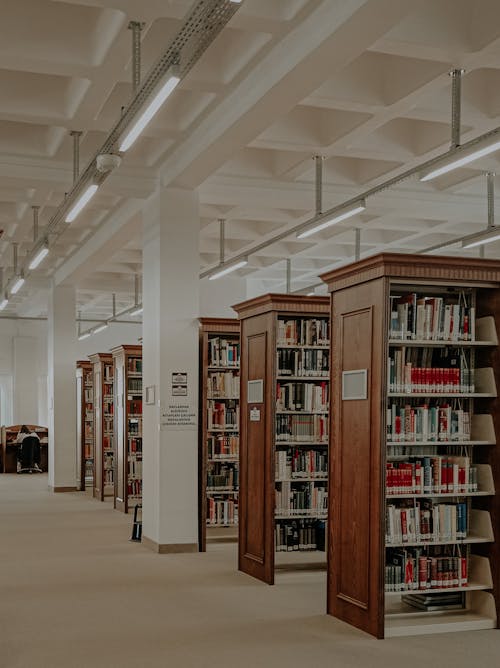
[39,256]
[3,303]
[100,328]
[18,284]
[461,157]
[137,311]
[228,270]
[486,237]
[81,202]
[84,335]
[163,91]
[348,212]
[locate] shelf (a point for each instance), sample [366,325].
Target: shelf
[304,378]
[424,343]
[221,491]
[448,395]
[231,430]
[310,479]
[432,495]
[289,444]
[303,515]
[223,398]
[445,443]
[229,459]
[290,346]
[223,368]
[324,412]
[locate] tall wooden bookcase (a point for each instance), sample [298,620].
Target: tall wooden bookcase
[102,364]
[84,424]
[219,429]
[283,431]
[415,464]
[127,361]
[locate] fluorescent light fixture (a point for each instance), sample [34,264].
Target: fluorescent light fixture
[3,303]
[486,237]
[137,311]
[348,212]
[228,270]
[311,294]
[164,90]
[40,255]
[18,284]
[81,202]
[83,336]
[101,328]
[236,2]
[459,158]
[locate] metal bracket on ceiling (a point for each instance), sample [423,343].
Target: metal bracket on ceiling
[456,106]
[318,183]
[76,134]
[36,210]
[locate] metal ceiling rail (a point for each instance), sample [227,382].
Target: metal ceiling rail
[202,24]
[389,183]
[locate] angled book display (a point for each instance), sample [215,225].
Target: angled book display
[414,467]
[219,429]
[84,424]
[284,432]
[127,360]
[102,364]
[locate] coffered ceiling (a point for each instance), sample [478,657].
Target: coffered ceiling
[364,83]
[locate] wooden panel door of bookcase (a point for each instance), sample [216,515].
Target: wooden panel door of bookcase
[356,542]
[80,430]
[256,496]
[120,502]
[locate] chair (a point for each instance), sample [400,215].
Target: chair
[28,455]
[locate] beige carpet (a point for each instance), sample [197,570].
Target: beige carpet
[74,592]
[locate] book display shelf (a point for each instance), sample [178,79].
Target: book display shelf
[219,429]
[9,446]
[127,361]
[284,433]
[414,486]
[85,425]
[104,453]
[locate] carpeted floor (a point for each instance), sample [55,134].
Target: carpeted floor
[75,593]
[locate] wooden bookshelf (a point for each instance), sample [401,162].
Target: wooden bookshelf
[219,430]
[127,361]
[9,446]
[84,425]
[414,467]
[284,432]
[104,439]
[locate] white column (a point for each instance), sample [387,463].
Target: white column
[170,346]
[62,389]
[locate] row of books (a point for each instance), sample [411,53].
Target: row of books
[108,476]
[89,451]
[303,332]
[134,385]
[436,422]
[223,384]
[432,318]
[299,535]
[108,376]
[438,475]
[89,469]
[135,445]
[222,475]
[411,569]
[134,406]
[223,352]
[302,428]
[223,445]
[108,407]
[107,442]
[89,396]
[426,521]
[107,389]
[300,362]
[223,414]
[308,497]
[302,396]
[135,364]
[222,511]
[456,375]
[135,467]
[89,431]
[135,427]
[134,487]
[300,464]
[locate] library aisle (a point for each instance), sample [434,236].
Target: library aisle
[77,594]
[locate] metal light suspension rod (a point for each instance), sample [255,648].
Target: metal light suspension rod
[490,184]
[288,275]
[76,134]
[136,28]
[222,239]
[456,106]
[357,244]
[318,160]
[35,209]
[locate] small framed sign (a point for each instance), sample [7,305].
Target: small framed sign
[355,384]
